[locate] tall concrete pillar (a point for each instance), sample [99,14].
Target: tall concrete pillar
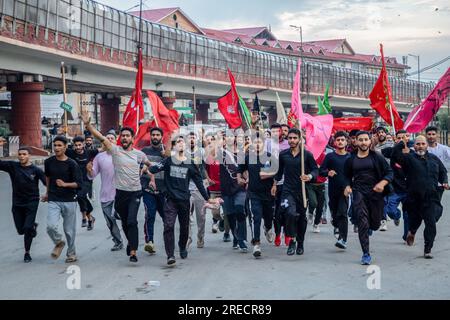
[202,111]
[26,112]
[109,113]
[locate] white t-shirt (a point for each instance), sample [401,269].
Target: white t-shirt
[443,153]
[127,168]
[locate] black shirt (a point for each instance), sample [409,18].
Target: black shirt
[82,160]
[154,155]
[364,175]
[177,177]
[399,182]
[257,188]
[290,167]
[336,162]
[24,180]
[68,171]
[228,174]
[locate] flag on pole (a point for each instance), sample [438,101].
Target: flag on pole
[281,113]
[324,105]
[381,98]
[296,112]
[421,116]
[134,112]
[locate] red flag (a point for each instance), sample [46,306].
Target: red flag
[353,123]
[228,106]
[135,108]
[164,118]
[381,98]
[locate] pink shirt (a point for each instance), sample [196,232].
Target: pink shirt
[103,164]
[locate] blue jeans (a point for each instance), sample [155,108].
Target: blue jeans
[152,203]
[391,209]
[233,207]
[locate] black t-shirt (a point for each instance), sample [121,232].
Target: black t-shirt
[336,162]
[228,174]
[68,171]
[82,160]
[154,155]
[257,188]
[364,175]
[24,180]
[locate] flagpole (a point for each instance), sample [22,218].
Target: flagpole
[387,86]
[302,150]
[139,61]
[63,71]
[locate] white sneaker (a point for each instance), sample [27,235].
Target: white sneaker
[383,225]
[257,251]
[316,229]
[270,236]
[215,227]
[150,247]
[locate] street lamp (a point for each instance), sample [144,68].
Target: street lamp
[418,73]
[299,28]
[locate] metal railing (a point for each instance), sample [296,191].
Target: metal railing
[116,30]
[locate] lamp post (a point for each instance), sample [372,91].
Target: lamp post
[299,28]
[418,74]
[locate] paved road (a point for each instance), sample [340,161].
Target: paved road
[218,272]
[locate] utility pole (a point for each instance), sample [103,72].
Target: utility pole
[418,75]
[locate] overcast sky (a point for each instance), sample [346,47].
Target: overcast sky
[419,27]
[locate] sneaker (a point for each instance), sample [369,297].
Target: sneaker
[117,247]
[215,228]
[242,246]
[257,251]
[200,243]
[336,233]
[58,249]
[383,225]
[366,259]
[310,218]
[235,244]
[84,223]
[269,235]
[27,258]
[133,259]
[91,224]
[222,225]
[277,240]
[226,237]
[341,244]
[183,254]
[300,251]
[150,247]
[189,242]
[324,221]
[355,228]
[397,222]
[428,255]
[316,228]
[287,240]
[71,259]
[410,239]
[291,249]
[171,261]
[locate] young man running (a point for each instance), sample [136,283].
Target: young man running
[292,203]
[103,165]
[63,179]
[261,202]
[178,171]
[333,168]
[368,174]
[25,179]
[153,189]
[127,169]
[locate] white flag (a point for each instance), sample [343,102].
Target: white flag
[281,113]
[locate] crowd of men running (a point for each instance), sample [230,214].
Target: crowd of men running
[254,177]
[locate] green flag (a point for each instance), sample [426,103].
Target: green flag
[324,105]
[245,112]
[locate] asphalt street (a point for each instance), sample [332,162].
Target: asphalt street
[217,271]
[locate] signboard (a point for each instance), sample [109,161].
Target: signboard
[66,107]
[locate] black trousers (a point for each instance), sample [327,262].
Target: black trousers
[338,204]
[127,205]
[316,200]
[279,218]
[369,211]
[172,209]
[24,219]
[427,209]
[82,198]
[295,213]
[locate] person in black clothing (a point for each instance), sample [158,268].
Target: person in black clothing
[178,171]
[333,168]
[153,190]
[63,179]
[260,181]
[424,173]
[83,156]
[368,175]
[292,198]
[25,179]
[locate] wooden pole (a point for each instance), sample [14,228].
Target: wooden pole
[302,150]
[63,72]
